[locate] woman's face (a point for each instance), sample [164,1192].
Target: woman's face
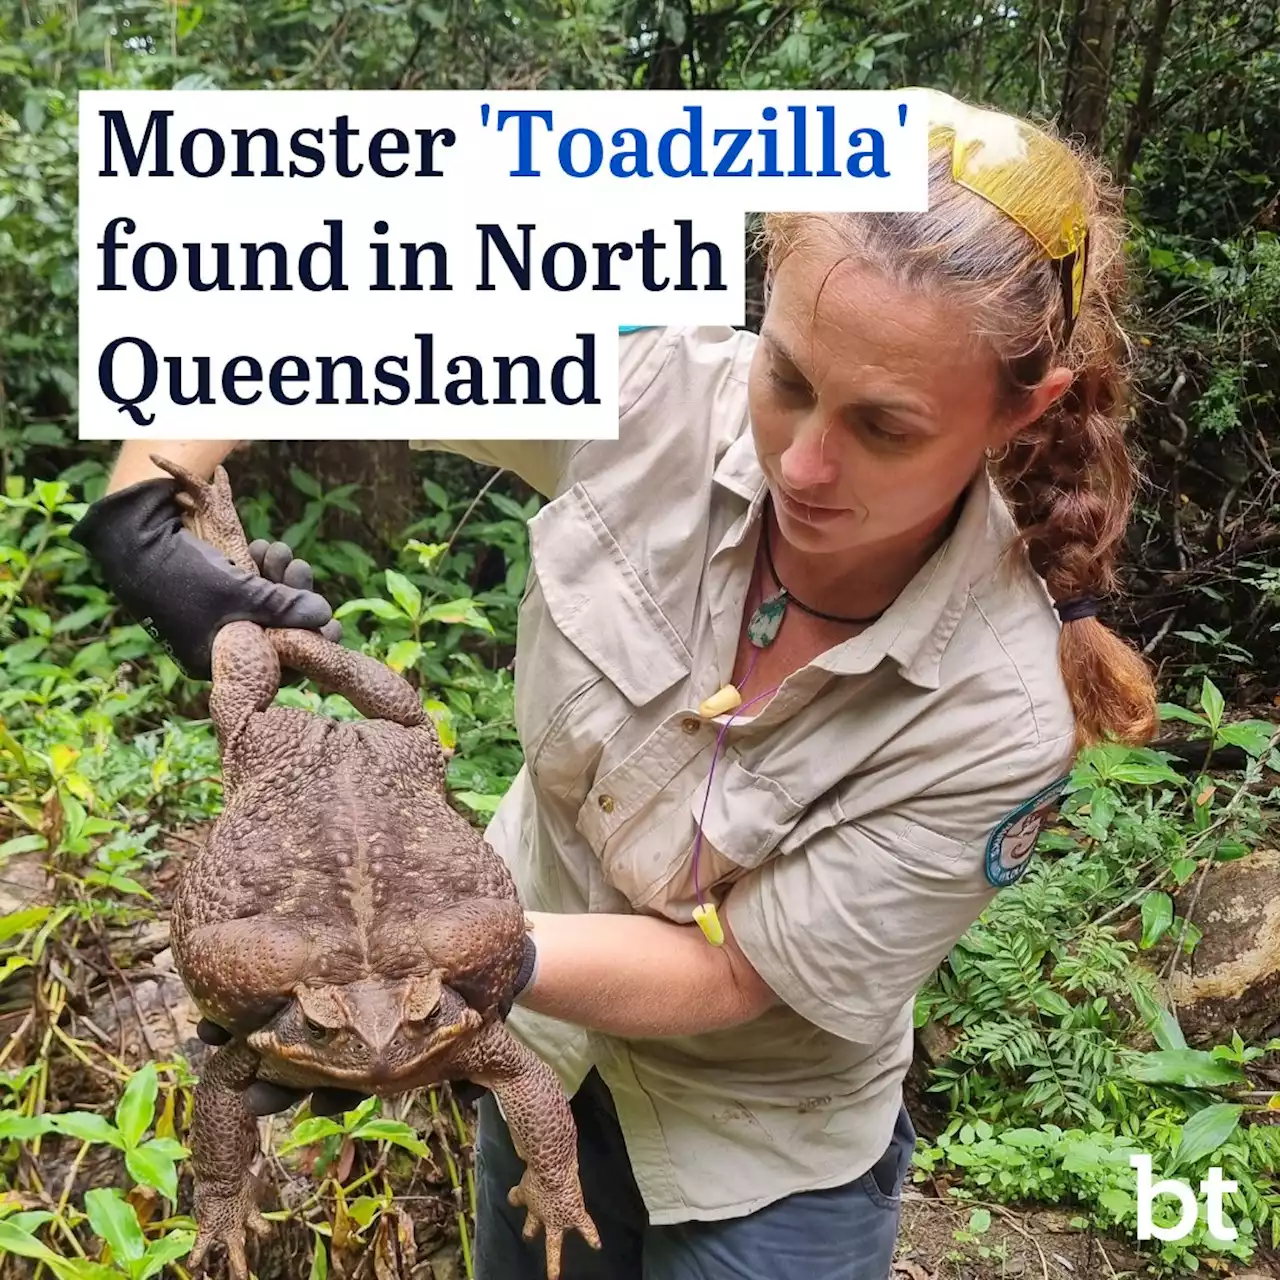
[869,405]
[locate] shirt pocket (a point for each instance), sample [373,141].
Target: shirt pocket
[749,819]
[594,644]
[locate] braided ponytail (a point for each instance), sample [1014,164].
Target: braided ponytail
[1068,477]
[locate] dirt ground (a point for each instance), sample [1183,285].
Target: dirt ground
[1031,1245]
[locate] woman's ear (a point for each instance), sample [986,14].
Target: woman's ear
[1052,387]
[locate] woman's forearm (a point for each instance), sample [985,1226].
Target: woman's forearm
[638,976]
[198,456]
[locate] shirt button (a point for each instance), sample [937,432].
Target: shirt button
[606,803]
[691,724]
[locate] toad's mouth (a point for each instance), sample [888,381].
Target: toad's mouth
[384,1071]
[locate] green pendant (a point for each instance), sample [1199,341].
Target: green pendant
[766,621]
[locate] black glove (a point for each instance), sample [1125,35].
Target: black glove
[182,590]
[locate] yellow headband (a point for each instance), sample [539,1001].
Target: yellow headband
[1026,174]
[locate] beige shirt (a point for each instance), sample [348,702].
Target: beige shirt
[847,835]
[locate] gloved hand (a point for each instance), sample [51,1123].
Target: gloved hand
[182,590]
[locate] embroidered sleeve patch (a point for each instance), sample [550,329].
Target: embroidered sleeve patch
[1012,843]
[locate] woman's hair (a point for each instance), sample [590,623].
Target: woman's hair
[1067,477]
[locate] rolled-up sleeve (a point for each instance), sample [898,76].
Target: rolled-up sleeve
[847,928]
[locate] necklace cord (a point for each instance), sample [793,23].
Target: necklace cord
[795,600]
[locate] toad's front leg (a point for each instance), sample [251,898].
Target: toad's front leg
[544,1133]
[224,1140]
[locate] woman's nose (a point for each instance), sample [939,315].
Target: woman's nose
[809,461]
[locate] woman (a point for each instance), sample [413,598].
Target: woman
[804,658]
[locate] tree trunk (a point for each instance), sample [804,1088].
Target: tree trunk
[388,497]
[1087,88]
[1136,130]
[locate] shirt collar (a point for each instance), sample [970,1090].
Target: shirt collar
[916,629]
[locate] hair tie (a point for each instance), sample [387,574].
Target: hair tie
[1074,610]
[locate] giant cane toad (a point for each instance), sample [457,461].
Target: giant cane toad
[346,925]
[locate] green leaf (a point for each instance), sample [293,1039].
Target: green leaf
[21,1128]
[1167,1031]
[1212,702]
[1157,916]
[114,1219]
[1206,1131]
[480,803]
[164,1251]
[1052,1002]
[137,1105]
[170,1147]
[402,654]
[1144,775]
[404,593]
[305,483]
[13,1239]
[82,617]
[1168,711]
[372,604]
[1118,1203]
[428,552]
[980,1221]
[20,921]
[313,1129]
[454,612]
[319,1262]
[153,1169]
[394,1131]
[1230,851]
[446,730]
[363,1210]
[1251,737]
[1191,1067]
[88,1126]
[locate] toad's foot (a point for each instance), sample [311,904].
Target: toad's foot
[222,1218]
[213,512]
[556,1209]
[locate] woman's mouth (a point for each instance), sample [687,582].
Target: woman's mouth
[807,512]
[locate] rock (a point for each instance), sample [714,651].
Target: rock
[159,1018]
[937,1041]
[1231,981]
[24,882]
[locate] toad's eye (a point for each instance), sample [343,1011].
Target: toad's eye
[316,1033]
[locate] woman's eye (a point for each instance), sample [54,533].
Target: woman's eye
[791,386]
[883,433]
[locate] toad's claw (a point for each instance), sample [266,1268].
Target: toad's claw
[222,1219]
[556,1211]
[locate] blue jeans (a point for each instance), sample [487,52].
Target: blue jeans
[844,1233]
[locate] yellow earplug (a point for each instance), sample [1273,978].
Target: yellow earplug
[724,699]
[709,922]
